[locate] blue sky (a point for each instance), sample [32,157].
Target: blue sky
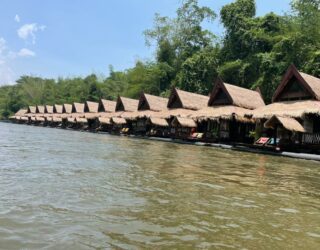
[71,38]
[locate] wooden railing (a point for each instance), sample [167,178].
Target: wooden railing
[308,138]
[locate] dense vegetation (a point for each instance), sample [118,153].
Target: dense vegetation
[253,52]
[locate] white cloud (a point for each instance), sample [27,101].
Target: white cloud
[3,45]
[7,58]
[17,18]
[6,75]
[29,30]
[26,52]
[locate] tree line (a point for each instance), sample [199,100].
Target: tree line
[253,52]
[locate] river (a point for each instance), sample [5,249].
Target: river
[63,189]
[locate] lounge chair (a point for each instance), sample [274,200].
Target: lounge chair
[262,141]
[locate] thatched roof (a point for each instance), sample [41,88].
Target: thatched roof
[77,107]
[80,115]
[91,115]
[223,112]
[107,106]
[186,100]
[111,114]
[32,109]
[310,83]
[152,102]
[184,122]
[57,108]
[295,109]
[287,122]
[236,95]
[174,112]
[40,109]
[126,104]
[67,108]
[56,119]
[118,120]
[21,112]
[48,109]
[138,114]
[71,119]
[91,107]
[40,119]
[24,118]
[104,120]
[81,120]
[48,118]
[161,122]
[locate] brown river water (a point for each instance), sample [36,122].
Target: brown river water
[64,189]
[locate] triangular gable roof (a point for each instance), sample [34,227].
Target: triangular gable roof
[310,83]
[91,107]
[48,109]
[21,112]
[77,107]
[67,108]
[126,104]
[40,109]
[107,106]
[237,96]
[152,102]
[187,100]
[32,109]
[289,123]
[57,109]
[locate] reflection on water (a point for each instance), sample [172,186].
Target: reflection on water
[67,189]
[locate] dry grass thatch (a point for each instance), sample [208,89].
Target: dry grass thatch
[48,118]
[32,109]
[313,82]
[105,120]
[67,108]
[152,102]
[138,114]
[40,109]
[187,100]
[40,119]
[287,122]
[48,109]
[107,106]
[57,109]
[161,122]
[81,120]
[223,112]
[71,119]
[56,119]
[118,120]
[237,96]
[91,116]
[77,107]
[127,104]
[21,112]
[79,115]
[184,122]
[174,112]
[91,107]
[24,118]
[310,83]
[111,114]
[294,109]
